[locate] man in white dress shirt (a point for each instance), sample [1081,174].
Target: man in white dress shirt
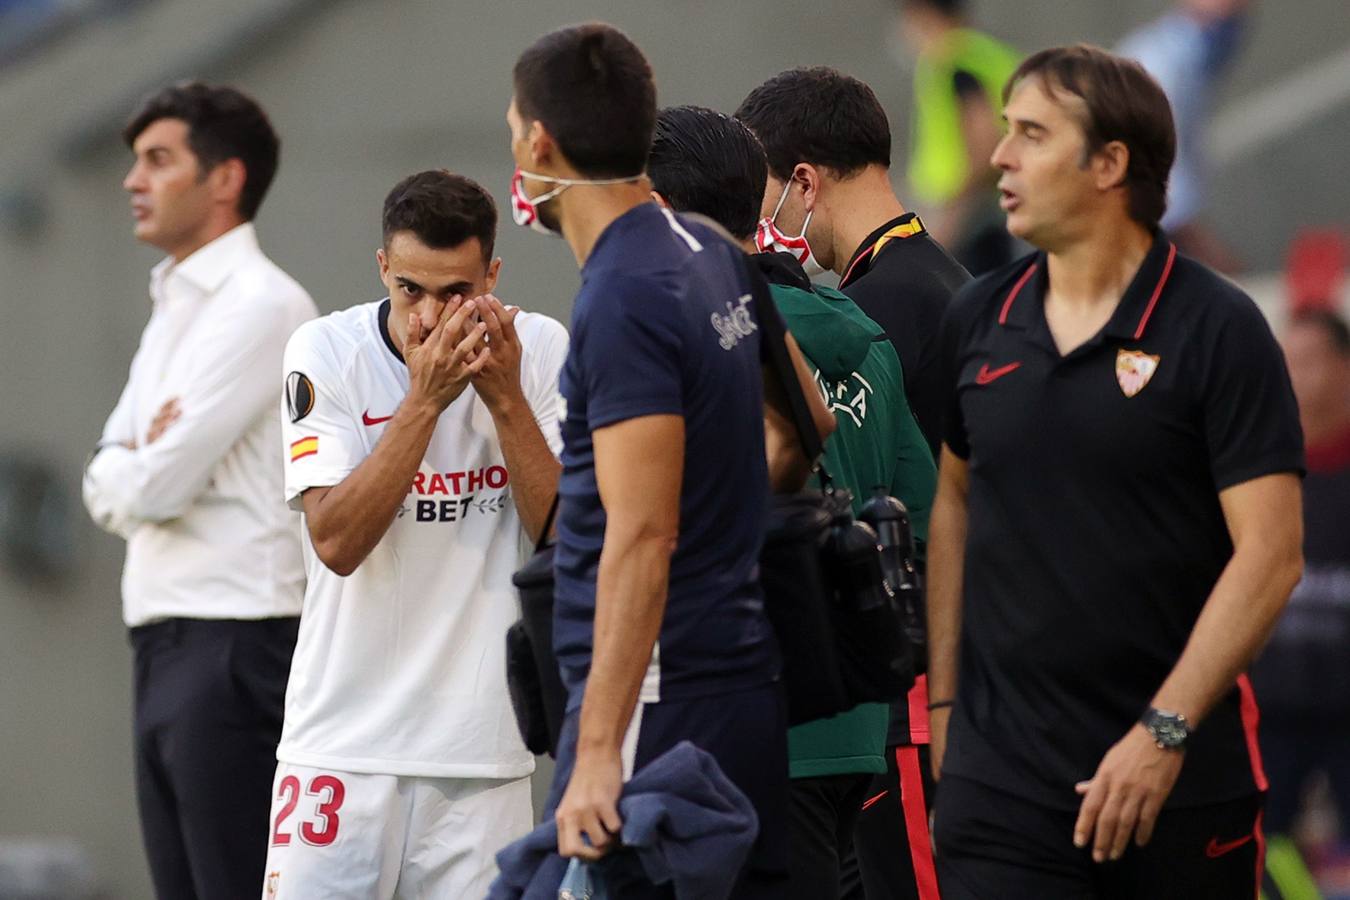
[187,473]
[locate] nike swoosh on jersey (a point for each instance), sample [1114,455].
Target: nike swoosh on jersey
[987,375]
[367,419]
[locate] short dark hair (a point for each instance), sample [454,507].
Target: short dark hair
[819,116]
[442,209]
[592,88]
[706,162]
[1123,104]
[223,123]
[1331,323]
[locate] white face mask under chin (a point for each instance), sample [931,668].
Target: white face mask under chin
[770,238]
[525,209]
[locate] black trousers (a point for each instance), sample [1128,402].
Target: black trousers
[824,810]
[209,701]
[893,852]
[994,846]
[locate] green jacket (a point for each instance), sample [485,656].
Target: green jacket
[877,443]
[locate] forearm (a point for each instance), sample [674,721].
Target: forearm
[156,482]
[787,464]
[114,484]
[630,600]
[157,474]
[533,469]
[160,480]
[946,559]
[351,518]
[1233,626]
[108,507]
[821,416]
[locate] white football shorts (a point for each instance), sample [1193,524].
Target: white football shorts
[388,837]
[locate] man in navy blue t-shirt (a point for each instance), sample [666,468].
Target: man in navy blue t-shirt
[646,343]
[659,623]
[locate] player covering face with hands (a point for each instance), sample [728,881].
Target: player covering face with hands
[420,439]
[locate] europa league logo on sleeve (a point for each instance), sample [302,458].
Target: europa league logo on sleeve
[299,395]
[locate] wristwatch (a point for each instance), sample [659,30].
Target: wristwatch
[1169,729]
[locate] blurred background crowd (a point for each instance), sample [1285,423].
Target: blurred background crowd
[366,91]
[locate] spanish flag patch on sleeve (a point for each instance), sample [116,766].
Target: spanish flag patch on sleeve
[306,446]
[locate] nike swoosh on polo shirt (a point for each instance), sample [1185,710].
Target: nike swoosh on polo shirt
[987,375]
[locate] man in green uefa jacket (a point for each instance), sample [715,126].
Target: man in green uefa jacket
[709,163]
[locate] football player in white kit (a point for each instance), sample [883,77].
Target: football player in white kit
[421,433]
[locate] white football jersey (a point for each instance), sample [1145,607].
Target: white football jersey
[400,667]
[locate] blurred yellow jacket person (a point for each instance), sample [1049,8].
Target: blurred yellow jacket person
[954,126]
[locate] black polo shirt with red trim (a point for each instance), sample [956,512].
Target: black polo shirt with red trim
[1095,532]
[903,279]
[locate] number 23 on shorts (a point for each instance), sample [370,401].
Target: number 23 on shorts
[320,829]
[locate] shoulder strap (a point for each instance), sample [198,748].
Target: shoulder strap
[773,346]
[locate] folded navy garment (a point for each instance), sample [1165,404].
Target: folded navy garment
[683,822]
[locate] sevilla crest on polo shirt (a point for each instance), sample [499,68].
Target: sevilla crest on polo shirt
[1134,368]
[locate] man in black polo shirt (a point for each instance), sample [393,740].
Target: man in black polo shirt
[830,203]
[1117,524]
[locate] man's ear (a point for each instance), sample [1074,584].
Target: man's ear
[809,179]
[227,181]
[661,200]
[1110,165]
[383,262]
[543,148]
[494,270]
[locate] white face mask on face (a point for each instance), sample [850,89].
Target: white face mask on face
[525,209]
[770,238]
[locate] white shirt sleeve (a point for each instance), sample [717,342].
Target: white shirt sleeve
[546,357]
[232,384]
[119,429]
[323,440]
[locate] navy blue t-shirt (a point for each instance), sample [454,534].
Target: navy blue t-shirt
[663,325]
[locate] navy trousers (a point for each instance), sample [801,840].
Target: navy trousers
[209,696]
